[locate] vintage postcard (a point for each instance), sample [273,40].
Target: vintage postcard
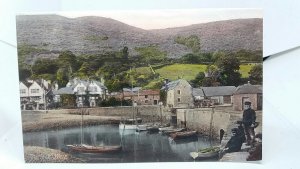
[141,86]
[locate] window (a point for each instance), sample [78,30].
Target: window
[93,89]
[146,101]
[80,89]
[178,91]
[23,91]
[34,91]
[146,96]
[178,99]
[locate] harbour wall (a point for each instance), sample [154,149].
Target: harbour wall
[207,121]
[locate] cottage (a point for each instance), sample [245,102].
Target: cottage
[216,95]
[142,97]
[247,92]
[179,94]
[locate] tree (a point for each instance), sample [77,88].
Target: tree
[62,77]
[198,81]
[256,74]
[217,55]
[44,66]
[24,73]
[151,55]
[212,76]
[68,100]
[192,42]
[228,66]
[67,59]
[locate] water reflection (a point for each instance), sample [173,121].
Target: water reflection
[137,147]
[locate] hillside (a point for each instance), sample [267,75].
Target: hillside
[185,71]
[46,35]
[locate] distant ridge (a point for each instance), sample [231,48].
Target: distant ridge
[91,35]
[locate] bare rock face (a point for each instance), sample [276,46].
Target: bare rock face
[50,34]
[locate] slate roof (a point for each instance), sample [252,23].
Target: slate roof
[171,85]
[100,84]
[141,93]
[135,89]
[64,90]
[248,89]
[214,91]
[75,82]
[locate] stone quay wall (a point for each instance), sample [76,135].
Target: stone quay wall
[209,121]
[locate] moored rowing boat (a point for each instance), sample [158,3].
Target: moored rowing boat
[94,149]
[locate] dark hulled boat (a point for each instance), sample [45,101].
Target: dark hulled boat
[183,135]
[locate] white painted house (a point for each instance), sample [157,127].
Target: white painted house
[24,95]
[33,94]
[84,89]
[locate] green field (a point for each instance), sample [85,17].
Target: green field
[185,71]
[245,69]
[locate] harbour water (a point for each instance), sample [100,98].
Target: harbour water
[137,147]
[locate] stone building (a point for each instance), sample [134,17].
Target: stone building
[247,92]
[142,97]
[215,95]
[179,94]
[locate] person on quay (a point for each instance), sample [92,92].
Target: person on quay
[249,117]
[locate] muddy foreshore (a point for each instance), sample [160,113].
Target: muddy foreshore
[33,122]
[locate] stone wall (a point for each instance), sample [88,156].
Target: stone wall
[238,101]
[148,113]
[209,121]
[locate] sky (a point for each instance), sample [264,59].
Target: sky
[166,18]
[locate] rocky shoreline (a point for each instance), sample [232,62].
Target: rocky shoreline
[34,154]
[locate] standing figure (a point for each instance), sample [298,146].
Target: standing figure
[249,117]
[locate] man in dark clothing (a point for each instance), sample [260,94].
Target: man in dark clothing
[236,141]
[249,117]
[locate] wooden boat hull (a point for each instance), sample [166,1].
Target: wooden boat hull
[133,121]
[152,129]
[170,131]
[136,127]
[182,135]
[141,128]
[94,149]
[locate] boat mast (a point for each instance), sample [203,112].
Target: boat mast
[81,126]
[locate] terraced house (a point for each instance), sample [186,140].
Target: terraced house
[34,94]
[86,92]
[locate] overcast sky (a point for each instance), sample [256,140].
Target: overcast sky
[157,19]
